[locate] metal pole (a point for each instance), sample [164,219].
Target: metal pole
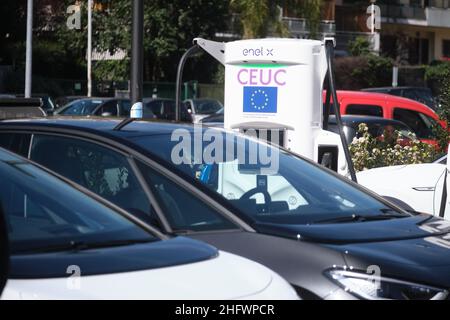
[395,76]
[372,28]
[29,49]
[89,50]
[137,52]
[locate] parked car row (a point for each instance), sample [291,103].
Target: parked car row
[57,229]
[321,232]
[192,110]
[420,94]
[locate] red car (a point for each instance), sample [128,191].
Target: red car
[415,115]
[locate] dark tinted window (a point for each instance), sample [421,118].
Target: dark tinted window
[16,142]
[207,106]
[365,109]
[421,124]
[81,107]
[43,212]
[109,107]
[446,48]
[165,110]
[183,210]
[101,170]
[125,108]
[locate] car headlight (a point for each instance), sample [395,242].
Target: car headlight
[372,287]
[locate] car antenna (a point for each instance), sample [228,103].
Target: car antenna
[136,112]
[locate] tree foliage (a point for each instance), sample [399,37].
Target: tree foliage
[388,150]
[169,28]
[443,111]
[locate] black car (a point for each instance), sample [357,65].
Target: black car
[329,237]
[63,100]
[164,109]
[47,103]
[105,107]
[421,94]
[377,127]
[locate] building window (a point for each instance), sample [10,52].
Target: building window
[446,48]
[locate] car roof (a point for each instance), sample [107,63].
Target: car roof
[394,88]
[356,119]
[148,99]
[103,124]
[380,96]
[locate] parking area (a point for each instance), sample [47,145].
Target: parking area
[283,180]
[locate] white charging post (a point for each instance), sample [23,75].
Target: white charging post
[277,85]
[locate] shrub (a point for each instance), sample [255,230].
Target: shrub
[370,152]
[354,73]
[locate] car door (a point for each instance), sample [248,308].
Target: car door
[108,109]
[102,170]
[130,184]
[4,253]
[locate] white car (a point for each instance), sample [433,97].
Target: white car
[416,186]
[66,243]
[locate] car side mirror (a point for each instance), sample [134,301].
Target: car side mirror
[106,114]
[4,250]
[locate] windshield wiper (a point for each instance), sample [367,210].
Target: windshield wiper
[81,245]
[363,218]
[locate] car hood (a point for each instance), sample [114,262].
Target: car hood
[415,249]
[372,231]
[145,256]
[224,277]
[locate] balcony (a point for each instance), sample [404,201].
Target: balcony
[298,27]
[437,14]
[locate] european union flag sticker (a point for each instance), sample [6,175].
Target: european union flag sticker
[260,99]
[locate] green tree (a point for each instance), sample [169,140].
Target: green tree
[169,28]
[309,10]
[359,47]
[442,133]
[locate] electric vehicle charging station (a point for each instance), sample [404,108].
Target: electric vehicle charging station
[273,88]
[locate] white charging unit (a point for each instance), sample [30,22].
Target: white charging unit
[276,84]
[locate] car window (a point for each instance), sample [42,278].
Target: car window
[207,106]
[125,108]
[183,210]
[421,124]
[293,191]
[365,109]
[99,169]
[165,110]
[81,107]
[43,212]
[16,142]
[108,107]
[156,107]
[410,94]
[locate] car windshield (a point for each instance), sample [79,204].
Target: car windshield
[207,106]
[81,107]
[43,212]
[264,183]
